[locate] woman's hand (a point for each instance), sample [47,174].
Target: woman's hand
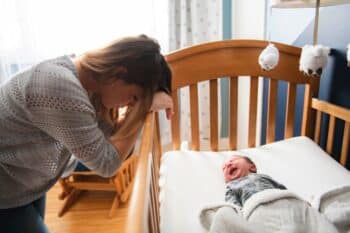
[161,100]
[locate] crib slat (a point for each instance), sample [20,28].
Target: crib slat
[152,209]
[233,113]
[157,153]
[308,117]
[252,111]
[155,205]
[175,126]
[157,143]
[330,136]
[318,127]
[213,114]
[152,224]
[289,123]
[271,111]
[194,117]
[345,148]
[123,181]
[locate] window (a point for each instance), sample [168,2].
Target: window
[31,31]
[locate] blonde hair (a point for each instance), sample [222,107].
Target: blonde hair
[145,67]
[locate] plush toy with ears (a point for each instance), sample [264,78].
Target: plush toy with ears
[269,57]
[313,59]
[348,55]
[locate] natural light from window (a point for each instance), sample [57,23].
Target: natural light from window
[39,29]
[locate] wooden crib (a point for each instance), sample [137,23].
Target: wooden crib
[235,59]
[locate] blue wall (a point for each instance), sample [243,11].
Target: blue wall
[295,26]
[224,82]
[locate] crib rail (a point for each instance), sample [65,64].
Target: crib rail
[143,212]
[334,112]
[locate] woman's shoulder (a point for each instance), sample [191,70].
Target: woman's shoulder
[54,76]
[54,82]
[57,69]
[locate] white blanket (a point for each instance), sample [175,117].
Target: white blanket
[335,205]
[270,211]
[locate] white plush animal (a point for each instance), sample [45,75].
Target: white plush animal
[313,59]
[269,57]
[348,55]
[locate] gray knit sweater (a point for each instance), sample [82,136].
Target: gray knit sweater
[45,116]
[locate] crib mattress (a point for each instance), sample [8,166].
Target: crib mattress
[190,180]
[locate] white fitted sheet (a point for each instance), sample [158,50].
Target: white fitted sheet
[190,180]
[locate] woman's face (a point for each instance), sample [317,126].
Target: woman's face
[120,94]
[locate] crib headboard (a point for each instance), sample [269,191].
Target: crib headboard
[238,59]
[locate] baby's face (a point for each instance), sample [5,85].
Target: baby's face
[236,167]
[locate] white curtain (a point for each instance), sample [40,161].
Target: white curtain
[192,22]
[34,30]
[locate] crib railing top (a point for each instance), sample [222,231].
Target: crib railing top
[234,58]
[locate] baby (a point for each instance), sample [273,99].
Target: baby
[287,213]
[242,181]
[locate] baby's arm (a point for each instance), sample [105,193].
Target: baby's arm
[275,183]
[280,186]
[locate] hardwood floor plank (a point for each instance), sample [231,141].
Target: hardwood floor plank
[88,215]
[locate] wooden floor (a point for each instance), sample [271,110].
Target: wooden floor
[88,215]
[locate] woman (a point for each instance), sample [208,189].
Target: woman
[62,107]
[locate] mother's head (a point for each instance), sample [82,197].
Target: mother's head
[127,72]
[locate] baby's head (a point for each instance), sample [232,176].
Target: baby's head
[237,166]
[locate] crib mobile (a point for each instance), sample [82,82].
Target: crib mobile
[313,58]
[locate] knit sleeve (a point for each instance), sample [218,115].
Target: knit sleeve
[58,105]
[232,196]
[273,182]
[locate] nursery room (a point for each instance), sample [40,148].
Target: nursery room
[167,116]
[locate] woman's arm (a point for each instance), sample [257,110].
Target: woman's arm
[161,100]
[124,146]
[58,106]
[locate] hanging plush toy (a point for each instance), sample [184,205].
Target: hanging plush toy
[269,57]
[348,55]
[313,59]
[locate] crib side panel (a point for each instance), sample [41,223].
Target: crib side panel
[238,59]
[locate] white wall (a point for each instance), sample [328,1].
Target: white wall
[248,19]
[281,29]
[248,22]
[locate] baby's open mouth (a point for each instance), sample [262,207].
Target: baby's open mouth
[232,170]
